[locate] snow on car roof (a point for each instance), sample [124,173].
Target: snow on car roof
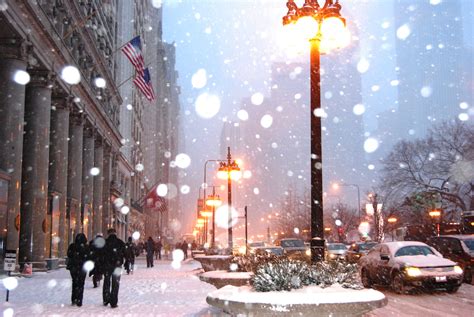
[394,246]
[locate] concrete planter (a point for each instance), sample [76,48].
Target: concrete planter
[309,301]
[222,278]
[214,262]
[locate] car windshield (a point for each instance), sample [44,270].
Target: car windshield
[414,250]
[276,251]
[292,243]
[337,246]
[256,244]
[366,246]
[470,244]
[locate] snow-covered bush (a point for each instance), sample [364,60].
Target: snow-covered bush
[250,263]
[332,272]
[284,274]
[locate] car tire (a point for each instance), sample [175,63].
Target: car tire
[398,285]
[365,278]
[452,289]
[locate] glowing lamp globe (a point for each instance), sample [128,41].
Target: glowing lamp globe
[235,174]
[222,174]
[306,28]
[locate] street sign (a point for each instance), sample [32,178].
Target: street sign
[10,260]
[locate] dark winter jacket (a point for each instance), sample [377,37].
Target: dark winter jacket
[150,246]
[130,251]
[114,253]
[78,254]
[184,246]
[158,246]
[97,254]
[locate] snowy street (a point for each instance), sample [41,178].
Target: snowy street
[437,304]
[164,291]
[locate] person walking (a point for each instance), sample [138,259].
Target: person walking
[97,250]
[150,249]
[129,255]
[113,261]
[77,255]
[158,247]
[184,247]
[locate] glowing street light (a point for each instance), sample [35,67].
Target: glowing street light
[324,27]
[229,170]
[436,217]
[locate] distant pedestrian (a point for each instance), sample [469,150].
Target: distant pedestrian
[77,255]
[113,261]
[167,248]
[184,247]
[158,247]
[97,251]
[129,255]
[194,245]
[150,249]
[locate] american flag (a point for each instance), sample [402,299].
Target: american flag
[143,82]
[154,201]
[133,51]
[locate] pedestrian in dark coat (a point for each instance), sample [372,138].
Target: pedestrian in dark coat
[97,252]
[129,255]
[184,247]
[113,261]
[158,246]
[150,249]
[77,254]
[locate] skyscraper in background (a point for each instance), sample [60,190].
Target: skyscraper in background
[431,58]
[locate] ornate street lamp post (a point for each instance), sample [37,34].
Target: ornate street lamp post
[213,201]
[327,29]
[229,170]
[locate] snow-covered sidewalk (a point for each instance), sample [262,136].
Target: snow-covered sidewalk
[158,291]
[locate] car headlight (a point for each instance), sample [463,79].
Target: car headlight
[332,255]
[457,269]
[308,252]
[413,271]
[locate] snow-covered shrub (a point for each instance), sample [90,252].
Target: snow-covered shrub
[251,262]
[284,274]
[328,273]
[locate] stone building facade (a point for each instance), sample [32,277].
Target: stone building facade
[63,165]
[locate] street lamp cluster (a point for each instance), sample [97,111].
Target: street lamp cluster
[228,169]
[324,27]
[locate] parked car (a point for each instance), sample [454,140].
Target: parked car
[357,250]
[255,245]
[458,248]
[294,247]
[409,264]
[336,251]
[278,251]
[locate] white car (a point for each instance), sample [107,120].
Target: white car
[336,251]
[409,264]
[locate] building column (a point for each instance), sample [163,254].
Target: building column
[58,176]
[107,169]
[74,175]
[12,108]
[87,181]
[34,191]
[98,185]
